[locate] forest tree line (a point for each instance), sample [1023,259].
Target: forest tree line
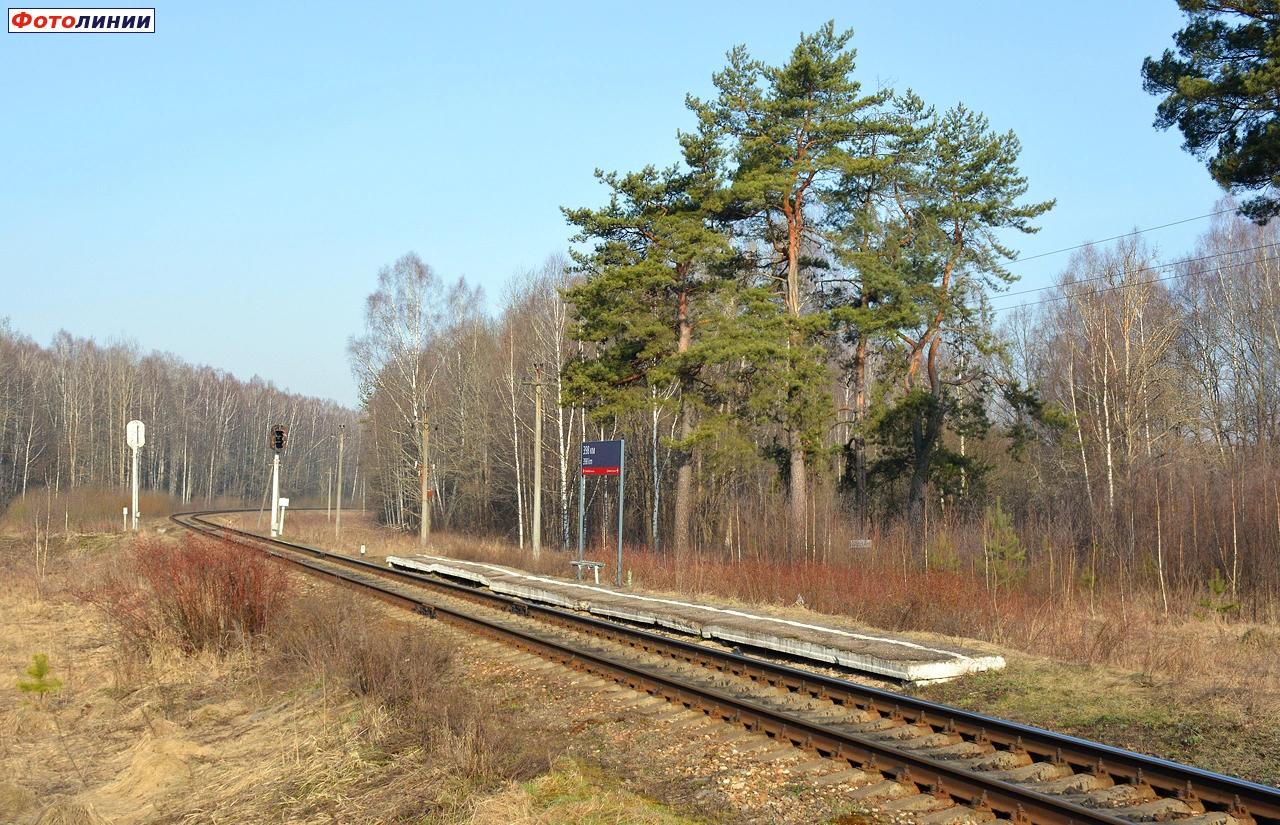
[63,411]
[799,331]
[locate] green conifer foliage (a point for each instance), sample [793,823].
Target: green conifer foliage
[658,261]
[793,132]
[39,682]
[814,232]
[1221,89]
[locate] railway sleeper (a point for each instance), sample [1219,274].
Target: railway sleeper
[1116,796]
[874,725]
[930,741]
[957,815]
[1075,783]
[920,803]
[965,749]
[1159,810]
[900,732]
[995,761]
[1035,772]
[845,776]
[883,791]
[1212,818]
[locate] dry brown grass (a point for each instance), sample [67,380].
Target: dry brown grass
[570,793]
[341,712]
[409,676]
[85,510]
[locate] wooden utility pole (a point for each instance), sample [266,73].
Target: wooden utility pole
[424,524]
[337,522]
[537,463]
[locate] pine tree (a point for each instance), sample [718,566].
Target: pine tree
[1220,90]
[658,261]
[1003,552]
[874,232]
[967,190]
[39,682]
[793,131]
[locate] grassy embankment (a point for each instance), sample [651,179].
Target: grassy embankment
[172,696]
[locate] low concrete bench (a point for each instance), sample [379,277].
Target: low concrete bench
[594,565]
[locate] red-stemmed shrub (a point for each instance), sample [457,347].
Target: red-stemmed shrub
[203,594]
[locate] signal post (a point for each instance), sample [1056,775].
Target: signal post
[276,439]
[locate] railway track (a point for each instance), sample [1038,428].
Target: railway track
[944,764]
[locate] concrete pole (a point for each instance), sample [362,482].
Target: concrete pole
[328,495]
[537,464]
[135,489]
[337,521]
[424,524]
[275,495]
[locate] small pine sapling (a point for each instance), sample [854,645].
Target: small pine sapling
[39,682]
[1003,552]
[1217,601]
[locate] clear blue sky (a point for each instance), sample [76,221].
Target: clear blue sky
[227,188]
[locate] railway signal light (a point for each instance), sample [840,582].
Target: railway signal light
[277,436]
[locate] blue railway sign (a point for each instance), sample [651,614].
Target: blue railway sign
[601,458]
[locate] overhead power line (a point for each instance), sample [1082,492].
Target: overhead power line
[1125,235]
[1143,269]
[1132,284]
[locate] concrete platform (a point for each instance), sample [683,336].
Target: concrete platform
[876,653]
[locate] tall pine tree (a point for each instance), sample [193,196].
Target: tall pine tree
[968,190]
[874,235]
[656,262]
[792,132]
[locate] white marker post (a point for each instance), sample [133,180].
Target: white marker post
[284,503]
[135,435]
[275,495]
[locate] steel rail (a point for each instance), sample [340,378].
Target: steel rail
[1244,800]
